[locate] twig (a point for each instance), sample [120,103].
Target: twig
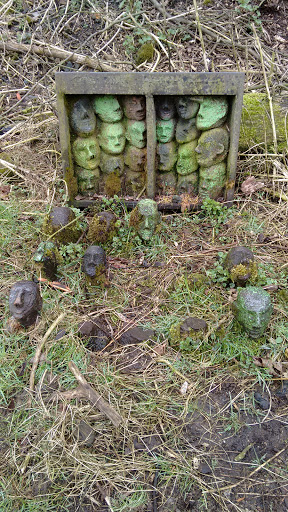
[84,390]
[201,35]
[56,53]
[39,349]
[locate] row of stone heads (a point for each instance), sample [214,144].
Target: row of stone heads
[196,115]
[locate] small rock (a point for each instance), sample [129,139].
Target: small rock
[85,434]
[193,324]
[136,335]
[205,469]
[262,402]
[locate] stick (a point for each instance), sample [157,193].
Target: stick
[56,53]
[85,390]
[39,349]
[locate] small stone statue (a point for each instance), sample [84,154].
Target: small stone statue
[253,310]
[241,265]
[212,147]
[61,223]
[136,133]
[88,180]
[25,302]
[145,218]
[166,156]
[94,266]
[187,158]
[212,181]
[165,130]
[47,258]
[83,120]
[186,130]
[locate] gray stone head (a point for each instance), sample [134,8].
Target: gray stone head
[25,302]
[83,120]
[94,259]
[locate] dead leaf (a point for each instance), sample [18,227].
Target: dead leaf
[274,367]
[160,349]
[56,284]
[251,185]
[4,192]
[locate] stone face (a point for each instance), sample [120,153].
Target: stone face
[241,265]
[86,152]
[112,138]
[83,120]
[134,107]
[88,180]
[167,156]
[136,133]
[212,147]
[108,108]
[186,130]
[135,158]
[193,324]
[94,261]
[25,302]
[111,163]
[145,218]
[212,112]
[165,107]
[165,130]
[253,310]
[186,106]
[166,183]
[188,184]
[187,158]
[212,181]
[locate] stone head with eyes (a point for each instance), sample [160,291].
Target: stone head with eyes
[83,119]
[25,302]
[86,152]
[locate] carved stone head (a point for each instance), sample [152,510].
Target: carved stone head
[108,108]
[212,112]
[212,147]
[165,130]
[134,107]
[145,218]
[165,107]
[94,260]
[25,302]
[86,152]
[186,106]
[112,138]
[83,120]
[212,181]
[187,158]
[136,133]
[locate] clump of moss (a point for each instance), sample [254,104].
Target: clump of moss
[145,53]
[102,228]
[99,280]
[241,274]
[47,258]
[112,185]
[186,335]
[135,218]
[61,225]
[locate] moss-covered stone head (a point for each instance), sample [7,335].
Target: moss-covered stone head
[146,218]
[166,156]
[112,138]
[135,158]
[165,130]
[212,147]
[83,119]
[240,264]
[136,133]
[212,113]
[188,184]
[108,109]
[112,164]
[186,130]
[186,106]
[134,107]
[187,158]
[212,181]
[47,258]
[25,302]
[253,310]
[165,107]
[86,152]
[88,180]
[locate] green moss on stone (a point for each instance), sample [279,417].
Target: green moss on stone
[113,184]
[244,270]
[256,127]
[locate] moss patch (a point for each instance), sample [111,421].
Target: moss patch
[256,125]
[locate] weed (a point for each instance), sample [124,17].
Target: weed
[247,7]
